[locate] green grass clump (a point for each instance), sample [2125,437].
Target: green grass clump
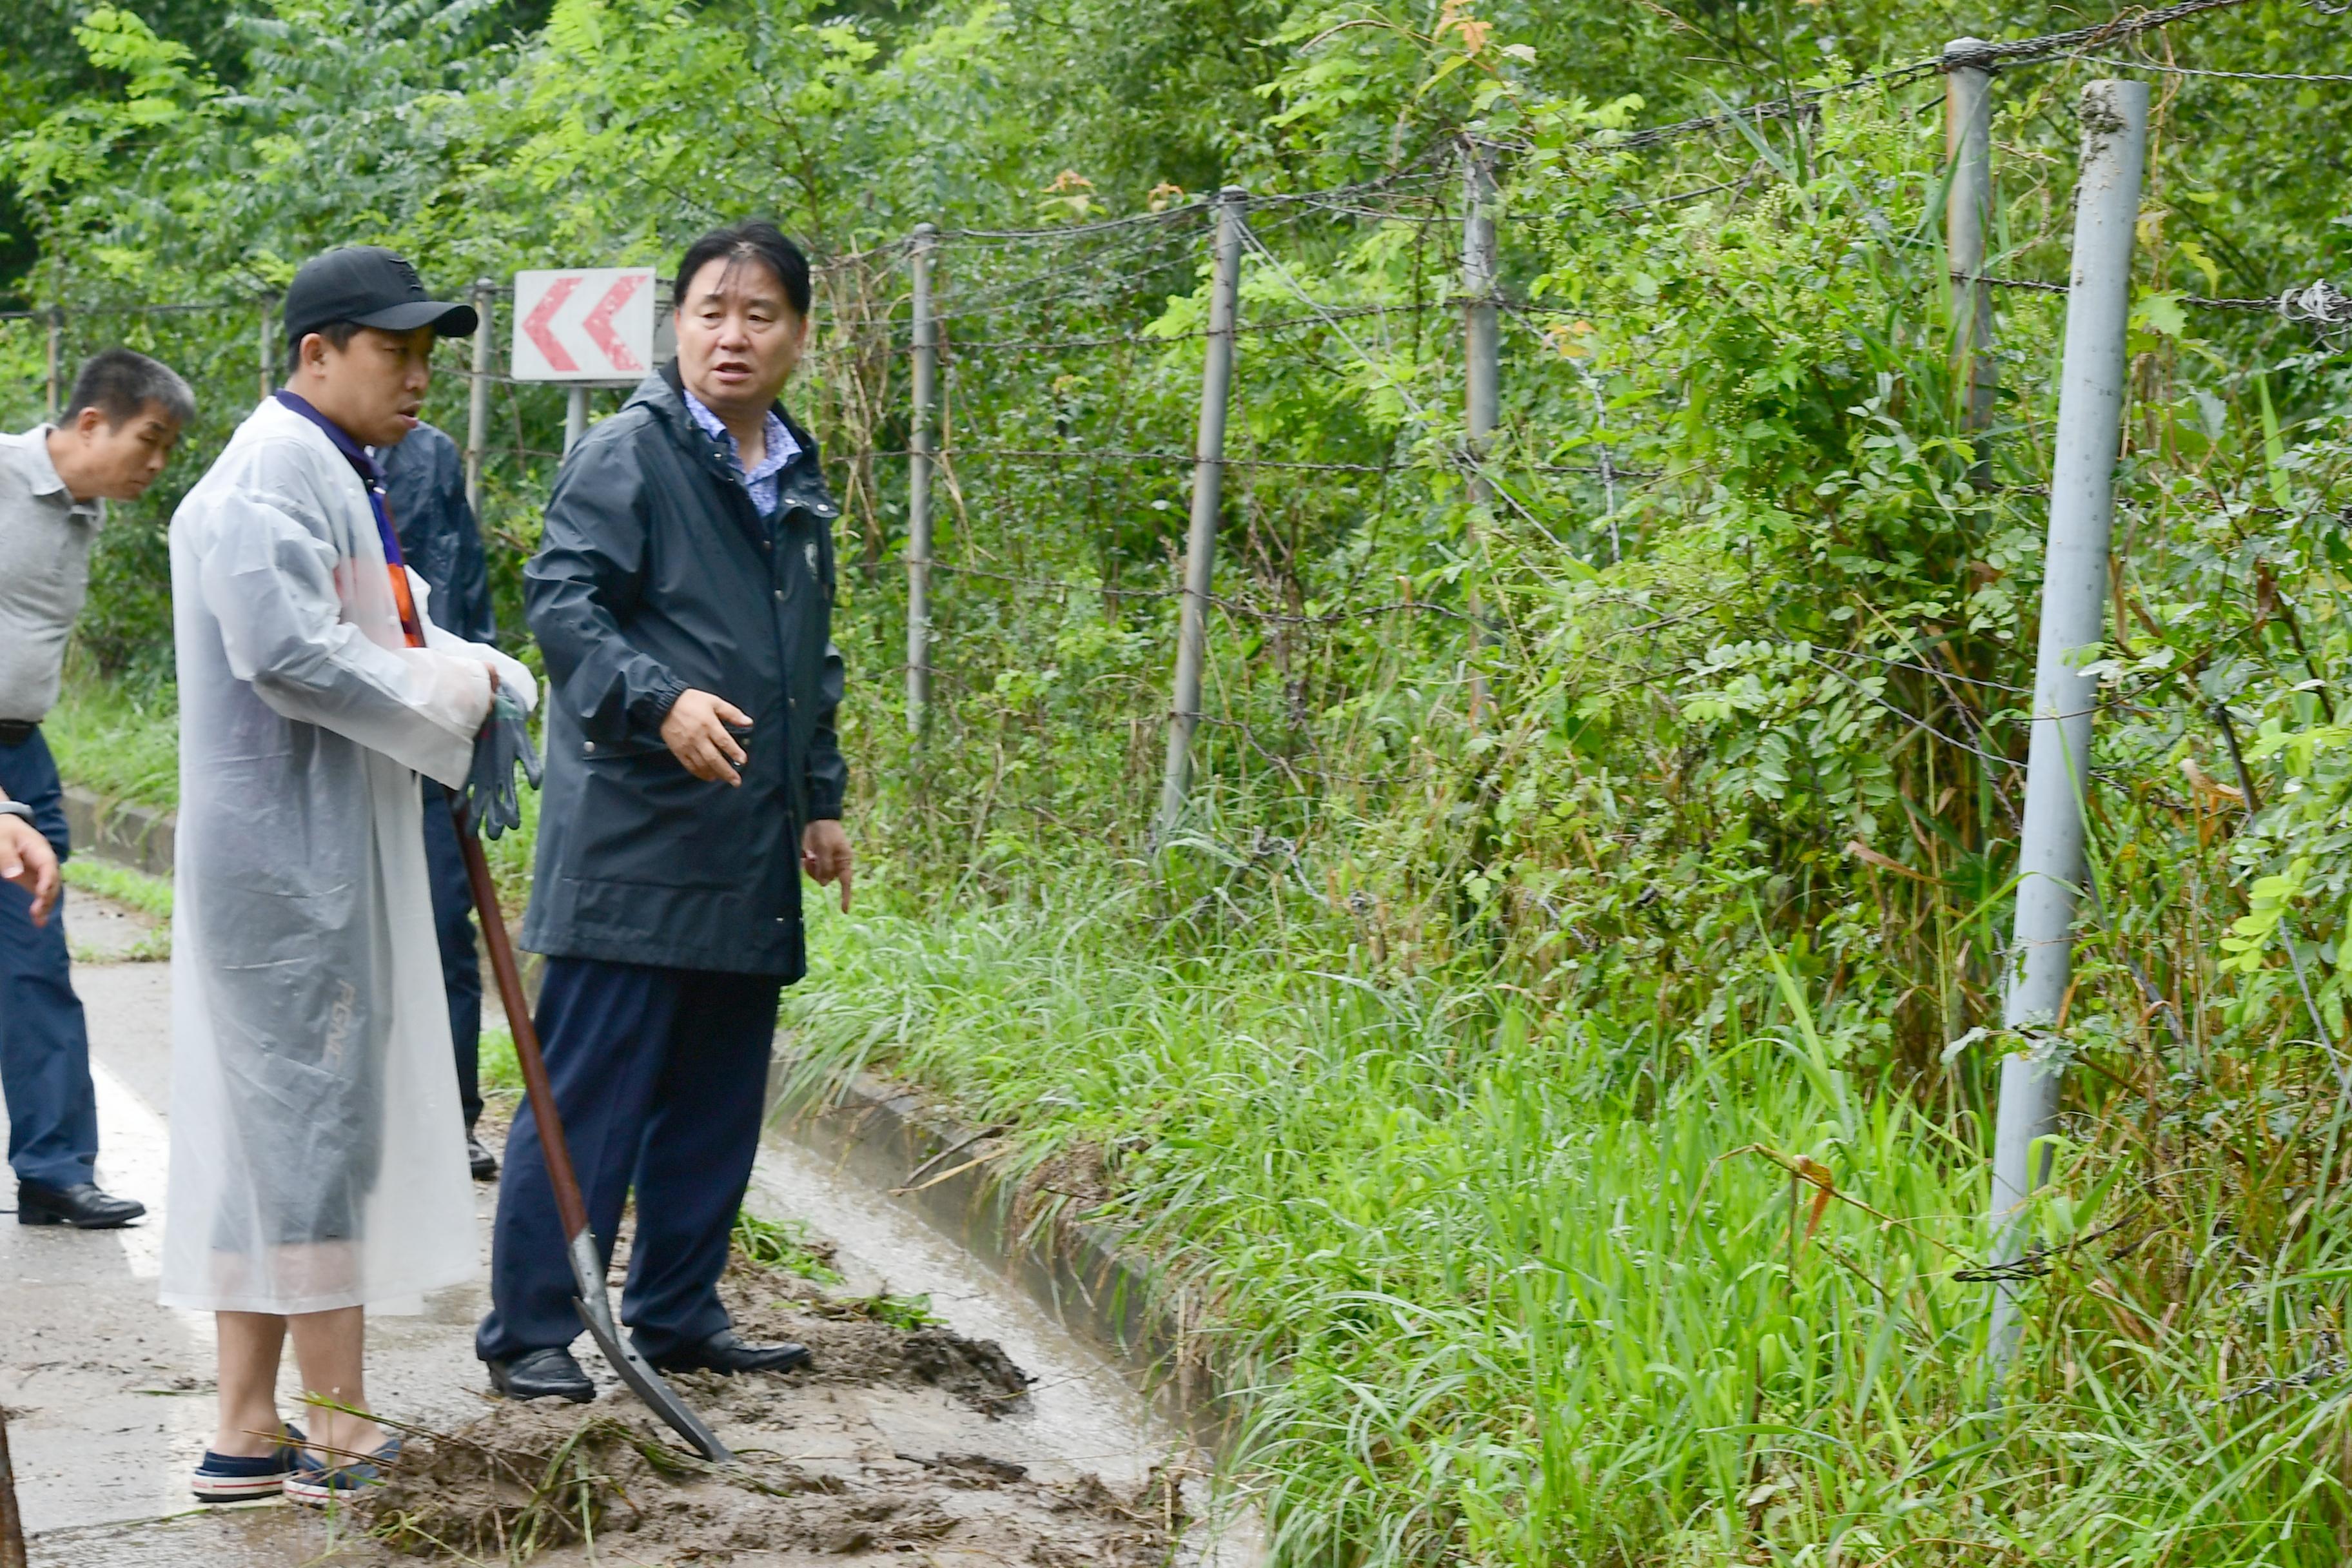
[785,1245]
[497,1068]
[122,744]
[1502,1293]
[151,896]
[905,1313]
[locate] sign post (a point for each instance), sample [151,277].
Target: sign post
[586,326]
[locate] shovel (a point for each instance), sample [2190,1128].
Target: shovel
[587,1266]
[12,1524]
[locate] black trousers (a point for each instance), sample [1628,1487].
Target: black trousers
[660,1077]
[453,924]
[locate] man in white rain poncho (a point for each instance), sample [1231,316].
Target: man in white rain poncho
[318,1155]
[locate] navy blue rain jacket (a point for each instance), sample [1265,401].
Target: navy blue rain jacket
[424,490]
[656,575]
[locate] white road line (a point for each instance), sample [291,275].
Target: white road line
[134,1147]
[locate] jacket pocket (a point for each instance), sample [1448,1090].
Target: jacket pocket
[671,916]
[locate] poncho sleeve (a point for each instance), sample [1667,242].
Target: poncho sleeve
[514,676]
[268,578]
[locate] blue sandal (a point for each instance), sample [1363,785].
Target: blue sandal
[237,1478]
[316,1483]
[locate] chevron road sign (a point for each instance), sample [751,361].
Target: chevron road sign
[584,323]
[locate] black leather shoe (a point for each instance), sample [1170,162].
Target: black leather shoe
[81,1205]
[722,1351]
[484,1163]
[542,1375]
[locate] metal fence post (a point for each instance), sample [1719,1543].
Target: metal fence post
[2051,865]
[1208,501]
[1482,341]
[56,358]
[575,415]
[918,485]
[1967,217]
[1482,356]
[477,397]
[265,363]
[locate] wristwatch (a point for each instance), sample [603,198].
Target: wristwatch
[15,808]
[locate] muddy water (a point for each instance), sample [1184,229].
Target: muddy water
[110,1395]
[1081,1413]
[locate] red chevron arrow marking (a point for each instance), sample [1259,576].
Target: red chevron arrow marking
[598,323]
[535,328]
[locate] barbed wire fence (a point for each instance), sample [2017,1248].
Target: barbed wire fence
[1353,334]
[1106,327]
[1069,372]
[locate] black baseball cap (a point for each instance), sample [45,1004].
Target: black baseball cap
[370,286]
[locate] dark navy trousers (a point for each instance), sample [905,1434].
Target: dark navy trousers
[453,924]
[661,1078]
[44,1042]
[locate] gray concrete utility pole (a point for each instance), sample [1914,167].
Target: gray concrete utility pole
[1208,504]
[2050,867]
[919,484]
[1967,219]
[477,396]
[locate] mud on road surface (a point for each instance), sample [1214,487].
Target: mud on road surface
[891,1446]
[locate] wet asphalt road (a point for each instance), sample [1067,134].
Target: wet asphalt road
[110,1395]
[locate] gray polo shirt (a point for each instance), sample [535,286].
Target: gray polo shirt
[45,538]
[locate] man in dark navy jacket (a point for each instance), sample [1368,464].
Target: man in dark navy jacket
[683,597]
[424,490]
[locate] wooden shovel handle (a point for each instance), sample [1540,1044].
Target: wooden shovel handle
[12,1524]
[569,1205]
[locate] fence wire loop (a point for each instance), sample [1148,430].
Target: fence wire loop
[2324,308]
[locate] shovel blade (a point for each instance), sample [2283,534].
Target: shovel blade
[596,1310]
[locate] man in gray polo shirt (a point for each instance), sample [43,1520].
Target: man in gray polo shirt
[117,434]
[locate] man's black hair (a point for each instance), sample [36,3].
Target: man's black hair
[122,383]
[755,240]
[339,335]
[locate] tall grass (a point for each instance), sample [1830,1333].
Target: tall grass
[120,742]
[1503,1308]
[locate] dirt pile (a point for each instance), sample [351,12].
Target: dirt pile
[855,1350]
[904,1437]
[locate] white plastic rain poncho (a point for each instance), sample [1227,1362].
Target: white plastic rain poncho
[318,1152]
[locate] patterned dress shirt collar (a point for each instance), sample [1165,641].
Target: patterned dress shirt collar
[759,481]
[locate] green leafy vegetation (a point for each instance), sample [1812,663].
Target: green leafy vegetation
[120,739]
[497,1068]
[907,1313]
[786,1245]
[151,896]
[1627,1319]
[1557,1048]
